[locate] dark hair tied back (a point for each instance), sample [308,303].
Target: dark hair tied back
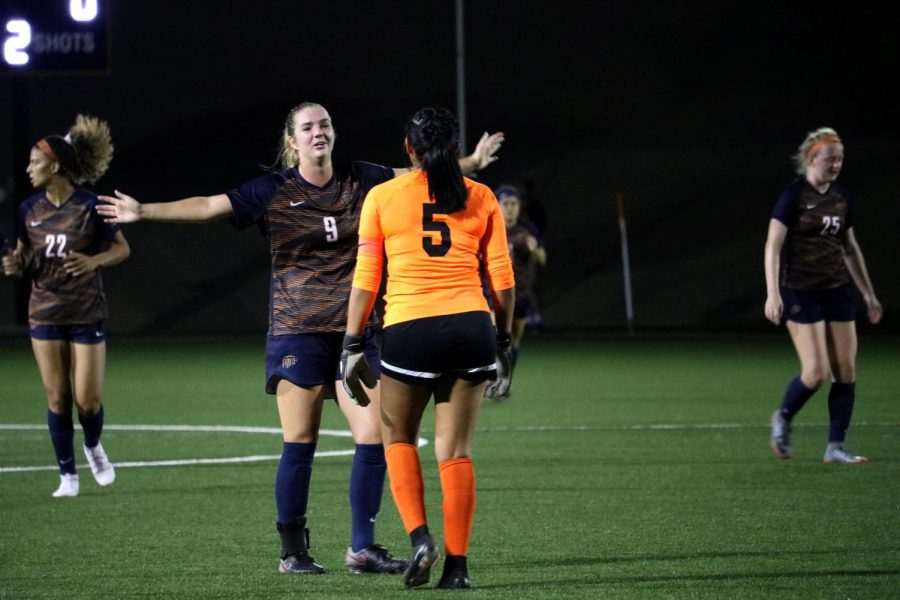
[434,135]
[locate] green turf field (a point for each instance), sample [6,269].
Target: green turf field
[622,468]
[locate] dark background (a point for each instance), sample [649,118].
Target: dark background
[690,111]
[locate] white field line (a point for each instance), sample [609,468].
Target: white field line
[187,461]
[343,433]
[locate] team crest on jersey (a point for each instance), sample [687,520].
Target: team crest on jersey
[288,361]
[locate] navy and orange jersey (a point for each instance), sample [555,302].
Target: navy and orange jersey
[813,254]
[433,258]
[523,262]
[312,235]
[52,232]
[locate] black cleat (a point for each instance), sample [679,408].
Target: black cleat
[300,564]
[419,571]
[374,559]
[456,579]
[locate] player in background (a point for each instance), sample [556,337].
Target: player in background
[811,257]
[527,253]
[310,211]
[433,224]
[64,243]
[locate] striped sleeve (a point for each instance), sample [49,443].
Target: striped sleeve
[495,249]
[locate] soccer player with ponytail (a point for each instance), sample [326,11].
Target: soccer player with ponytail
[63,242]
[811,258]
[433,224]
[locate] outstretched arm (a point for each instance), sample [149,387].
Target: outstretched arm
[485,153]
[122,208]
[853,258]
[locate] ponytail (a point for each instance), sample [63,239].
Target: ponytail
[434,135]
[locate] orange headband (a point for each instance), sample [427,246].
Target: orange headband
[46,149]
[828,139]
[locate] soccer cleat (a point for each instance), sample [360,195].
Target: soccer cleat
[455,579]
[300,564]
[374,559]
[837,454]
[419,571]
[102,469]
[68,486]
[780,440]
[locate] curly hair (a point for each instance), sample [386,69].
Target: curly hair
[84,153]
[434,135]
[814,140]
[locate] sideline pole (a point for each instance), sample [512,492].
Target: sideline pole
[626,264]
[461,75]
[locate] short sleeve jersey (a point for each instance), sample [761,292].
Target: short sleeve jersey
[523,262]
[51,232]
[433,258]
[813,254]
[312,235]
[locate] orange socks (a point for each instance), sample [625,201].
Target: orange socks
[406,483]
[458,485]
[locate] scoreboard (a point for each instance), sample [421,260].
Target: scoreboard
[53,36]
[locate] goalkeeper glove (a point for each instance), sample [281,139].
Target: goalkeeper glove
[500,387]
[355,370]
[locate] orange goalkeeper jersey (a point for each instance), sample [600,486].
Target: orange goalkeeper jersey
[433,258]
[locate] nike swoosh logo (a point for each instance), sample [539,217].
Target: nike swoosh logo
[98,333]
[810,206]
[63,462]
[297,203]
[36,223]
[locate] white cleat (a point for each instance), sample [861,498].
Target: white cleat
[68,486]
[837,454]
[102,469]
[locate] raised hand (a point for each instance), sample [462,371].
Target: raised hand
[118,209]
[486,150]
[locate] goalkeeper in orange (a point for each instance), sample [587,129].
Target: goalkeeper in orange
[432,224]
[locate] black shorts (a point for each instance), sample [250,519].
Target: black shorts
[811,306]
[311,359]
[422,351]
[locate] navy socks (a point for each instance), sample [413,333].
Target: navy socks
[841,398]
[795,397]
[92,426]
[366,485]
[62,434]
[292,481]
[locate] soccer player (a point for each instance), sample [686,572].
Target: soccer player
[527,253]
[64,243]
[310,210]
[810,287]
[432,224]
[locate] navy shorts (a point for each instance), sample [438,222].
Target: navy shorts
[422,351]
[83,333]
[523,307]
[311,359]
[811,306]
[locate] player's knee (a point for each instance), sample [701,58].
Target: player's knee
[814,376]
[59,400]
[845,373]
